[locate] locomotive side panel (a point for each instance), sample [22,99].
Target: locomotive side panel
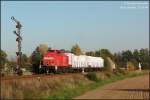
[63,61]
[52,59]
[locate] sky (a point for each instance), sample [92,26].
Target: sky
[114,25]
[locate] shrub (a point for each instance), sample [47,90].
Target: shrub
[131,66]
[117,73]
[108,74]
[101,76]
[122,71]
[92,76]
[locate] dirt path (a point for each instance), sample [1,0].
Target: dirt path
[133,88]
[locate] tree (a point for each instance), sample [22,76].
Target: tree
[144,58]
[76,49]
[43,48]
[110,64]
[135,63]
[3,58]
[97,53]
[127,55]
[90,53]
[118,60]
[36,59]
[24,59]
[3,61]
[106,55]
[136,55]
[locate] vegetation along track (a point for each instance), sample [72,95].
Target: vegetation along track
[35,76]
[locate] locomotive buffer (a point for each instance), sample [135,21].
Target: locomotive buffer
[18,39]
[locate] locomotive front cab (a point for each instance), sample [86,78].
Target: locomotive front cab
[48,61]
[55,58]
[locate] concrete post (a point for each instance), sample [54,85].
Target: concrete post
[140,66]
[82,70]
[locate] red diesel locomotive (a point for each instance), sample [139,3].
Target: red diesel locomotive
[60,61]
[54,59]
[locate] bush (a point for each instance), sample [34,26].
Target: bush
[92,76]
[131,66]
[122,71]
[101,76]
[117,73]
[108,74]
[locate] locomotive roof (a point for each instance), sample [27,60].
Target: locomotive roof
[55,50]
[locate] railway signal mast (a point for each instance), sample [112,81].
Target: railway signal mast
[18,39]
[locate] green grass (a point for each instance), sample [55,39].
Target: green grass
[69,93]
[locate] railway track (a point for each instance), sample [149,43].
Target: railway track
[35,76]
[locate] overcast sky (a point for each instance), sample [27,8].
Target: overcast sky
[114,25]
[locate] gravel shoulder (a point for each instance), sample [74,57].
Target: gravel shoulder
[131,88]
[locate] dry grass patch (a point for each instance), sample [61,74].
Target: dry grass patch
[39,87]
[56,88]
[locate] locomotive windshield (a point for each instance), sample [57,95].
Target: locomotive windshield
[56,51]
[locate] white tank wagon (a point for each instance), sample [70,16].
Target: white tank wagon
[84,61]
[95,62]
[77,61]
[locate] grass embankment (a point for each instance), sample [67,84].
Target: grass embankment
[39,87]
[99,80]
[66,87]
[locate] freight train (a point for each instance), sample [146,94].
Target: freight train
[60,61]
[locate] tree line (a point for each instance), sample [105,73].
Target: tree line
[121,59]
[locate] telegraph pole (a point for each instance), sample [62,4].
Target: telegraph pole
[18,40]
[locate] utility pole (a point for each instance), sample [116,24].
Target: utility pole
[18,39]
